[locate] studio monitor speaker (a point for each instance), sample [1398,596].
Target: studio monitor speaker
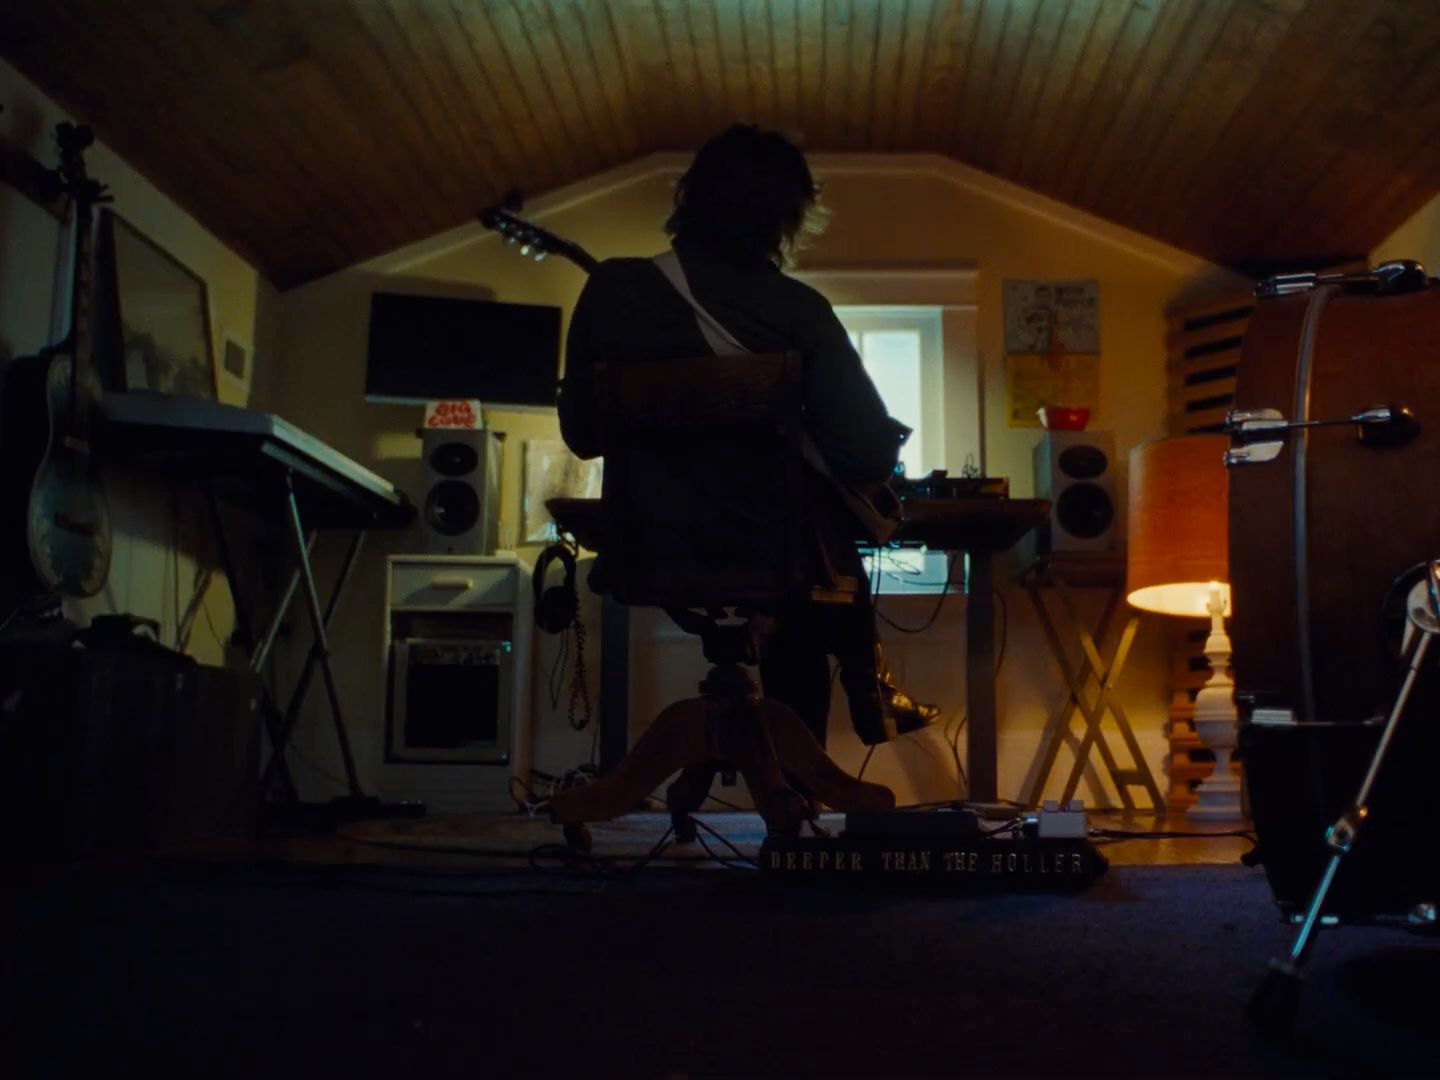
[1075,470]
[460,513]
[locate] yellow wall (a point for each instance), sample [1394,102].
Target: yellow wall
[887,212]
[1418,238]
[158,537]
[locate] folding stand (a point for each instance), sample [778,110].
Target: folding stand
[1099,571]
[279,726]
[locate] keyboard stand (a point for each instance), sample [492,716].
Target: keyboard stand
[302,579]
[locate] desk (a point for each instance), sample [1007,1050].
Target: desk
[979,528]
[1056,575]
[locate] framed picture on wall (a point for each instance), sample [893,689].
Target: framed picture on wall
[154,316]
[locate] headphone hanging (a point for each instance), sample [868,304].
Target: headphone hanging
[556,606]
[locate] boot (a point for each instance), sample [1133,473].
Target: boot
[879,709]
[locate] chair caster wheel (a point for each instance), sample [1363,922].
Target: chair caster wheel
[578,838]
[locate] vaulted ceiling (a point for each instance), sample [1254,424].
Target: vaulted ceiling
[312,135]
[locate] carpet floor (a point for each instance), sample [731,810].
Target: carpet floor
[277,970]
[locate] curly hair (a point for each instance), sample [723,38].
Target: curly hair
[748,196]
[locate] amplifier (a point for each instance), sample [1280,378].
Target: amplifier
[940,485]
[106,752]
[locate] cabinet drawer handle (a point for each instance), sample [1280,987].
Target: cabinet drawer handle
[451,581]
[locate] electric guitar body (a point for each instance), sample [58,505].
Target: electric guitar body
[55,521]
[53,491]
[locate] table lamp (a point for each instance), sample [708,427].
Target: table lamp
[1177,563]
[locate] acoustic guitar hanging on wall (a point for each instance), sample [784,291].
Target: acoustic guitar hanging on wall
[55,517]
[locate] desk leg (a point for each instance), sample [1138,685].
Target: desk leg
[981,745]
[614,683]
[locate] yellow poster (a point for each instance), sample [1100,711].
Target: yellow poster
[1036,379]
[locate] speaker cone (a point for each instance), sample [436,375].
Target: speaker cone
[1084,511]
[454,459]
[1082,462]
[452,508]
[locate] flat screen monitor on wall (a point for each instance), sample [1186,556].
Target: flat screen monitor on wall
[435,348]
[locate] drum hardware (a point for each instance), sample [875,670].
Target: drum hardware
[1275,1002]
[1387,279]
[1379,426]
[1425,916]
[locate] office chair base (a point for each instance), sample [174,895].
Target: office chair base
[763,739]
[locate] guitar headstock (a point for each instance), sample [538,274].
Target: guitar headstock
[535,242]
[75,181]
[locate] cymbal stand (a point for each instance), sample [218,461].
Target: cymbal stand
[1274,1004]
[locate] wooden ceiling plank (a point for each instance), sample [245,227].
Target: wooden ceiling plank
[757,39]
[705,40]
[1254,33]
[520,68]
[784,29]
[264,51]
[810,35]
[946,65]
[1062,108]
[1113,179]
[653,34]
[1100,101]
[307,88]
[212,77]
[1389,200]
[975,103]
[571,32]
[440,29]
[1399,36]
[835,73]
[727,23]
[889,63]
[607,44]
[859,93]
[479,53]
[325,90]
[457,114]
[1294,83]
[1059,35]
[571,105]
[414,108]
[1377,146]
[74,73]
[691,90]
[916,25]
[1008,108]
[1148,76]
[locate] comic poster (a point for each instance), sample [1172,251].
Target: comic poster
[1052,347]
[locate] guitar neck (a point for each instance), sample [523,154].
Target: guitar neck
[82,336]
[580,257]
[535,241]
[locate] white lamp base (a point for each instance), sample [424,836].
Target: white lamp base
[1217,725]
[1217,799]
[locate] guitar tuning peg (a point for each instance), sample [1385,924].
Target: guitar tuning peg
[524,249]
[539,256]
[510,238]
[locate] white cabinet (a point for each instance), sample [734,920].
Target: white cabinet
[458,630]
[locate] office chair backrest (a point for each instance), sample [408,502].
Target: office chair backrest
[704,489]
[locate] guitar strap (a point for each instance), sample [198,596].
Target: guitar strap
[878,525]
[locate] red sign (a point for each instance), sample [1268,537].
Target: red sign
[452,414]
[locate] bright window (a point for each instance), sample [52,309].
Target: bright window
[901,349]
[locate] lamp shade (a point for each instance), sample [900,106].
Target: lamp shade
[1178,545]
